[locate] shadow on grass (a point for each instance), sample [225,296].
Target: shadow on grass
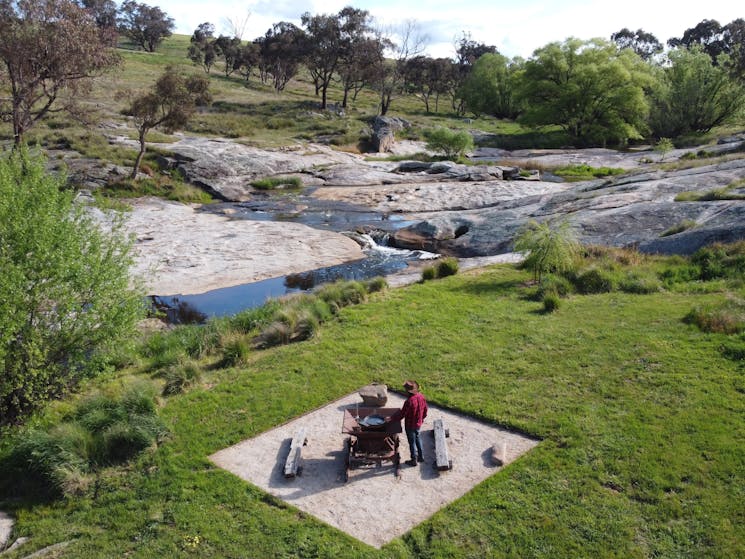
[486,287]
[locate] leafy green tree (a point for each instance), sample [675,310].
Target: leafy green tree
[550,247]
[202,49]
[490,87]
[169,105]
[64,289]
[452,144]
[592,89]
[694,95]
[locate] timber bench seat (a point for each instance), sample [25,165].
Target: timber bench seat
[442,457]
[293,464]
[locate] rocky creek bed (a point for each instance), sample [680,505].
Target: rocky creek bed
[466,211]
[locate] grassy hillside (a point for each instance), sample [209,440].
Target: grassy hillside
[641,417]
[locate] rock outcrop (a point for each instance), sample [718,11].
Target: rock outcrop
[384,130]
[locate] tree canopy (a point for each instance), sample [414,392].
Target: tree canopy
[491,87]
[145,25]
[64,291]
[592,89]
[47,48]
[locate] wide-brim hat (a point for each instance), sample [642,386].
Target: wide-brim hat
[411,386]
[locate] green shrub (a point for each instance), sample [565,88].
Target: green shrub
[594,280]
[727,318]
[65,287]
[641,284]
[734,349]
[277,333]
[552,283]
[452,144]
[447,267]
[376,284]
[551,302]
[248,320]
[551,247]
[236,350]
[181,377]
[429,273]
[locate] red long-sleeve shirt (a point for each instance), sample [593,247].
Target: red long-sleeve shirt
[412,412]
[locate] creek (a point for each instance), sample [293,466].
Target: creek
[369,229]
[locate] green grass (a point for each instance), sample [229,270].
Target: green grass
[584,172]
[639,412]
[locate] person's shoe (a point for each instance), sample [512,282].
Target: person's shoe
[420,459]
[410,462]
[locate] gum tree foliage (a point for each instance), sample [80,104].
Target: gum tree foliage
[389,72]
[357,70]
[551,247]
[49,50]
[280,53]
[428,78]
[146,26]
[693,95]
[202,46]
[592,89]
[168,105]
[230,50]
[103,11]
[707,34]
[491,86]
[646,45]
[64,289]
[329,43]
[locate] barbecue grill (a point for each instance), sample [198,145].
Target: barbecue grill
[372,440]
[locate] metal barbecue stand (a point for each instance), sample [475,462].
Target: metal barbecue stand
[370,444]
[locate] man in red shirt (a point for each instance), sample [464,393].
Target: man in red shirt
[413,413]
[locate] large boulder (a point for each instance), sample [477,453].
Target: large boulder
[384,129]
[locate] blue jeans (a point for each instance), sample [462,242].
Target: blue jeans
[415,444]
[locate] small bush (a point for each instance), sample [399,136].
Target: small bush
[251,319]
[552,283]
[594,280]
[374,285]
[429,273]
[277,333]
[728,318]
[181,377]
[447,267]
[452,144]
[236,350]
[551,302]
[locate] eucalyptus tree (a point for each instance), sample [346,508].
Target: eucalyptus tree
[202,49]
[230,49]
[592,89]
[169,104]
[427,78]
[280,53]
[147,26]
[467,52]
[707,34]
[646,45]
[50,50]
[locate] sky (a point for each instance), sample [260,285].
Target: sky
[516,28]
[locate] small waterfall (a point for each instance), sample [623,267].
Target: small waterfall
[377,242]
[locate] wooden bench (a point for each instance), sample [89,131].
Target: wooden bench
[293,464]
[442,458]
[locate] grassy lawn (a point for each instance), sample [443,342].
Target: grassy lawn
[642,420]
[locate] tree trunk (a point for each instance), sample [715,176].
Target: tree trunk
[344,100]
[324,90]
[140,155]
